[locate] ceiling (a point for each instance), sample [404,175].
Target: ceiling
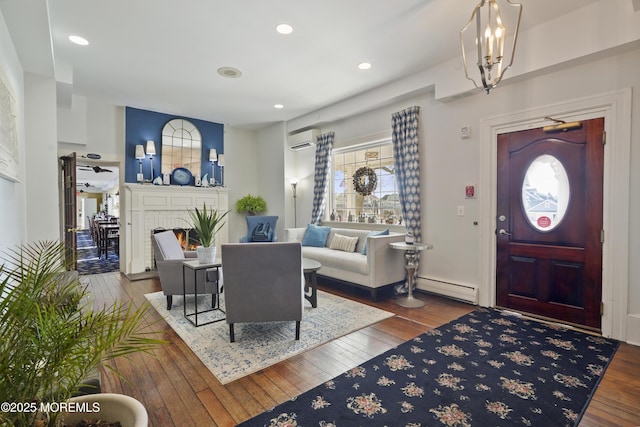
[163,55]
[96,178]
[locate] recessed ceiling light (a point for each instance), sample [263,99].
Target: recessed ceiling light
[284,28]
[79,40]
[364,65]
[229,72]
[278,106]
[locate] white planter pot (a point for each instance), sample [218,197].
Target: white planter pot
[206,255]
[112,407]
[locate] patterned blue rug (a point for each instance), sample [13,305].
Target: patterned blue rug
[88,261]
[484,369]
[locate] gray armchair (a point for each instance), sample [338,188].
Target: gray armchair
[169,259]
[263,283]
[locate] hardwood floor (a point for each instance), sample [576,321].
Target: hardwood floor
[178,390]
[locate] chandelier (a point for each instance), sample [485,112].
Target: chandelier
[488,40]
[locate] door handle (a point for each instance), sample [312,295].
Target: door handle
[73,230]
[503,232]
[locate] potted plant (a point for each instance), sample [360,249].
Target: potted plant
[252,205]
[206,223]
[53,337]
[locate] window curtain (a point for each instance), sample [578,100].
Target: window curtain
[407,167]
[324,146]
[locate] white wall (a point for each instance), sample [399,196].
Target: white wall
[41,166]
[241,174]
[91,126]
[270,161]
[13,229]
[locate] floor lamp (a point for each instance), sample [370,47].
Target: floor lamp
[294,184]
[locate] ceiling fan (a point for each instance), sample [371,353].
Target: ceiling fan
[96,169]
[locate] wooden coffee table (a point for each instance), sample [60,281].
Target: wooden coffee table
[310,268]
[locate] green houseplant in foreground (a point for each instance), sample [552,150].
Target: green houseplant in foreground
[52,336]
[251,204]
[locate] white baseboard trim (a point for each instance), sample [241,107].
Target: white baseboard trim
[459,291]
[633,329]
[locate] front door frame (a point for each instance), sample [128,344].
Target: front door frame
[615,107]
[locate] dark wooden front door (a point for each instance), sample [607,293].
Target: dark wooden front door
[70,216]
[549,225]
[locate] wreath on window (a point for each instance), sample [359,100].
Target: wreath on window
[365,181]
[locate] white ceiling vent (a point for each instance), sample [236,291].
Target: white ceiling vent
[302,140]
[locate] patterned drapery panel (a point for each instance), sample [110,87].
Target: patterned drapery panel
[407,166]
[324,146]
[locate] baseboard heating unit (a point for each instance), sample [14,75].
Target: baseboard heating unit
[459,291]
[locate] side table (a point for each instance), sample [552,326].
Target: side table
[195,266]
[410,255]
[310,267]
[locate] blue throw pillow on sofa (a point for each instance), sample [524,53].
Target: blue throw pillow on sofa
[316,235]
[373,233]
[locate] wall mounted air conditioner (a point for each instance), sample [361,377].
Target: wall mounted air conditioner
[302,140]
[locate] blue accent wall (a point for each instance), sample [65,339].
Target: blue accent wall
[142,126]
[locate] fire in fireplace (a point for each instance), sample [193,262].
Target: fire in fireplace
[187,237]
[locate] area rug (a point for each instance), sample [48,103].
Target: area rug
[88,260]
[483,369]
[260,345]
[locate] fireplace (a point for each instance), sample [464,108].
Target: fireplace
[162,207]
[187,238]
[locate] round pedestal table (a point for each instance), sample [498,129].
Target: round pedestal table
[410,256]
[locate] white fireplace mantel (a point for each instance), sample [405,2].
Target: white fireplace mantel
[148,207]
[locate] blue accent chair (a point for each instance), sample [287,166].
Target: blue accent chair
[252,223]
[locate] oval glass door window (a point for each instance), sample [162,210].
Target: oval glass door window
[545,192]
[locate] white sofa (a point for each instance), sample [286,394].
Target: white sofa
[381,266]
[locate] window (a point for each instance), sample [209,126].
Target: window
[383,204]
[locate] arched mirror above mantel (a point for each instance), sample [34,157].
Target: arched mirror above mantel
[181,146]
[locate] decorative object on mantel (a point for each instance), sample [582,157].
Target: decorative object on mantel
[365,181]
[140,155]
[488,40]
[157,181]
[182,146]
[206,223]
[151,151]
[213,158]
[251,205]
[221,165]
[181,176]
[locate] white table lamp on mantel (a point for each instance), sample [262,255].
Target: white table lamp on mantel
[213,157]
[221,165]
[151,151]
[140,156]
